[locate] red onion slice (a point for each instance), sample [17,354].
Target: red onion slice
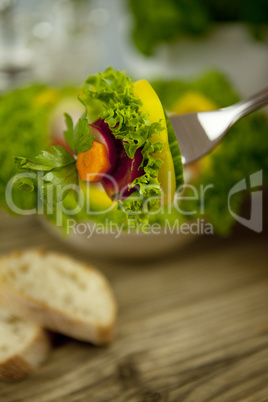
[124,170]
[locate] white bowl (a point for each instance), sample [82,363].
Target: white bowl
[126,245]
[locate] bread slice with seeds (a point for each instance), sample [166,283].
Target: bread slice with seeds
[23,346]
[58,293]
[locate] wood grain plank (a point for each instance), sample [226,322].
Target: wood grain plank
[192,326]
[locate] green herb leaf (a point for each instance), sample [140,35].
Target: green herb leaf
[56,157]
[26,164]
[25,184]
[59,170]
[78,137]
[68,134]
[82,140]
[61,182]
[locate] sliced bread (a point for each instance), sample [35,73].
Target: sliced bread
[23,346]
[58,293]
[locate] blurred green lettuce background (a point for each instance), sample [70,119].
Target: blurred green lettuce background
[158,21]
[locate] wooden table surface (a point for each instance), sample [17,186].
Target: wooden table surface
[192,326]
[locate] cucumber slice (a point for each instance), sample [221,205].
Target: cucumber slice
[175,153]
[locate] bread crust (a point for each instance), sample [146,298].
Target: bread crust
[23,363]
[53,319]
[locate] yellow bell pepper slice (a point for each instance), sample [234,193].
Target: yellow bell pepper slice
[152,105]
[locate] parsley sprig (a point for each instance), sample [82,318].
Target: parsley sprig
[78,137]
[58,166]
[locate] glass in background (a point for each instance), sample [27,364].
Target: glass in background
[55,41]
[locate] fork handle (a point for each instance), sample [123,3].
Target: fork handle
[252,103]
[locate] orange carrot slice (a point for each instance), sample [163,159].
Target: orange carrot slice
[93,163]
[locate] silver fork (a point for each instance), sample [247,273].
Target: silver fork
[198,133]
